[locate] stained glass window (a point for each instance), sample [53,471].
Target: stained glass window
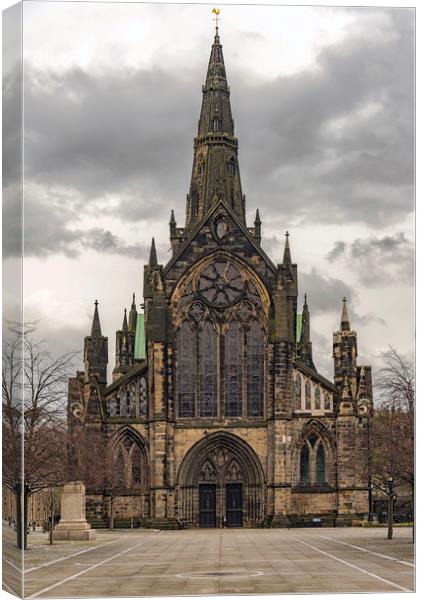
[143,398]
[317,404]
[326,401]
[207,371]
[136,466]
[308,395]
[255,345]
[123,403]
[298,392]
[320,465]
[186,370]
[233,370]
[220,283]
[132,393]
[113,407]
[305,465]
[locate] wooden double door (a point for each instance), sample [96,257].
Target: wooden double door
[232,516]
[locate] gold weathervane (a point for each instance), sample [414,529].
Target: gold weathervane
[216,11]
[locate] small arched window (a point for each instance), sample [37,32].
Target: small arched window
[326,401]
[123,404]
[216,124]
[298,392]
[143,397]
[200,167]
[305,465]
[132,400]
[320,464]
[231,166]
[317,404]
[308,395]
[112,407]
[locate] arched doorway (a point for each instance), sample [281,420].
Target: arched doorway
[221,482]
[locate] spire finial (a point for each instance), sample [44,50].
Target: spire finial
[134,301]
[96,326]
[287,251]
[125,327]
[216,11]
[345,325]
[153,259]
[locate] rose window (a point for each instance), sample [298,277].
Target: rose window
[220,283]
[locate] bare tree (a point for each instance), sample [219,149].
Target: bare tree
[34,397]
[392,436]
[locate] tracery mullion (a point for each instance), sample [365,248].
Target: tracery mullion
[233,370]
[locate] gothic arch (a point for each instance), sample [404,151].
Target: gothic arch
[130,446]
[221,458]
[313,435]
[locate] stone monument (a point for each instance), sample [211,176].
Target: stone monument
[73,524]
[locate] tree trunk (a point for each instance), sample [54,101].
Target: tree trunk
[112,512]
[413,512]
[25,518]
[390,517]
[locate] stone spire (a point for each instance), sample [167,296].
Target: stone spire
[287,251]
[153,259]
[305,349]
[96,325]
[215,172]
[257,227]
[345,325]
[133,315]
[125,328]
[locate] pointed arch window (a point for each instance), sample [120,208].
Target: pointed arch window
[136,466]
[298,392]
[143,397]
[132,401]
[233,370]
[320,464]
[308,395]
[123,403]
[305,465]
[216,124]
[313,461]
[119,472]
[317,402]
[255,344]
[207,371]
[327,401]
[186,370]
[113,407]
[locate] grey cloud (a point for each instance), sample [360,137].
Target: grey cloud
[378,260]
[337,251]
[324,295]
[332,144]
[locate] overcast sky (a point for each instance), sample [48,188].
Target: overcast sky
[322,100]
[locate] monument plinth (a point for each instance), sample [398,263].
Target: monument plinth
[73,524]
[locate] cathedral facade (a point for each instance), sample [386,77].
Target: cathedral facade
[216,414]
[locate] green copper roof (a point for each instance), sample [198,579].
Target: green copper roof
[139,344]
[299,327]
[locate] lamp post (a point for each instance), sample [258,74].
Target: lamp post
[390,508]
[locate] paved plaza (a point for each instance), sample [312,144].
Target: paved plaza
[236,561]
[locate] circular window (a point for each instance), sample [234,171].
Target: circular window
[220,283]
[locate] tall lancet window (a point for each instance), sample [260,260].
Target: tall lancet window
[298,392]
[207,371]
[216,124]
[233,370]
[186,370]
[255,347]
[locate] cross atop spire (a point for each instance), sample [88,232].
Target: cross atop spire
[287,251]
[345,325]
[96,325]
